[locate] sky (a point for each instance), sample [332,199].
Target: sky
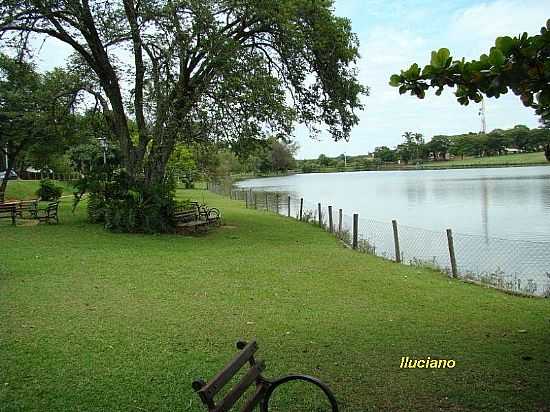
[394,34]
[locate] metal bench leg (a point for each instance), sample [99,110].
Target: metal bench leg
[264,407]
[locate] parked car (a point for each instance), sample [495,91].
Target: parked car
[13,175]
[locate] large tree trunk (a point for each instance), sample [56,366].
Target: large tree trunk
[547,152]
[4,184]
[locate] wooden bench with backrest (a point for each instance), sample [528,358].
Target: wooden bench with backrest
[187,219]
[264,387]
[196,217]
[27,208]
[49,213]
[8,211]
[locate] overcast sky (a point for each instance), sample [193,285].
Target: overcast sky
[393,35]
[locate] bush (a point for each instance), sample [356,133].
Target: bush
[96,208]
[49,190]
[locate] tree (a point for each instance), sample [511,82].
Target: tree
[202,69]
[439,146]
[182,165]
[519,137]
[413,148]
[385,154]
[282,156]
[517,63]
[324,160]
[34,111]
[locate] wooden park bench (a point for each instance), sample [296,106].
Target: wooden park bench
[27,208]
[49,213]
[264,387]
[196,218]
[8,211]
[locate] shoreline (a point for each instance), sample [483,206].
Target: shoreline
[410,168]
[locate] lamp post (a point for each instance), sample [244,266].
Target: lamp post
[103,144]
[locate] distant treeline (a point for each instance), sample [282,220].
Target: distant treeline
[415,149]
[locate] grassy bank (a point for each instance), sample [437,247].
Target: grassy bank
[98,321]
[520,159]
[26,189]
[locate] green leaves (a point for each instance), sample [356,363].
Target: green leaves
[505,44]
[496,57]
[395,80]
[441,59]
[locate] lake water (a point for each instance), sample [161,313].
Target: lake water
[500,218]
[510,203]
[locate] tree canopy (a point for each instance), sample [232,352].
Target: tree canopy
[35,112]
[201,69]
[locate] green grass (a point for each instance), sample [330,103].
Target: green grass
[26,189]
[96,321]
[511,160]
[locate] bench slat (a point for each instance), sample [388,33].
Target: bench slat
[255,399]
[247,380]
[215,384]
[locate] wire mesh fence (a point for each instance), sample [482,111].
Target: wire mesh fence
[512,265]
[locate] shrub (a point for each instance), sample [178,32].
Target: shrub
[49,190]
[96,208]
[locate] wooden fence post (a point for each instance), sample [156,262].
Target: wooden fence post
[396,241]
[288,204]
[320,216]
[277,203]
[246,199]
[330,227]
[255,200]
[355,231]
[301,207]
[339,220]
[266,201]
[454,269]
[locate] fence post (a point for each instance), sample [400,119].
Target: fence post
[330,227]
[277,203]
[246,199]
[355,231]
[255,200]
[266,201]
[301,207]
[396,241]
[288,204]
[339,220]
[320,216]
[454,270]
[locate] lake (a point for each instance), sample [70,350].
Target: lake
[500,217]
[510,203]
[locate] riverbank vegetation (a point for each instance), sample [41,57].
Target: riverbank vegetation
[100,321]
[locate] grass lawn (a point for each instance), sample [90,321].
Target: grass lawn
[26,189]
[96,321]
[511,159]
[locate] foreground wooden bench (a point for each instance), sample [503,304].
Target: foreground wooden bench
[264,387]
[8,211]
